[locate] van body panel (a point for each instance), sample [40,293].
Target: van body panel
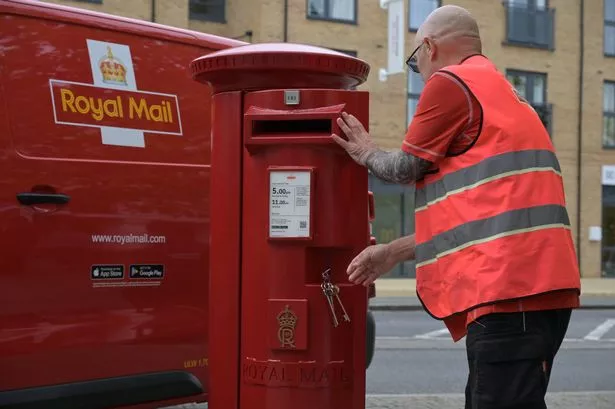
[113,281]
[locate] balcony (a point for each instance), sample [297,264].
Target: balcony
[529,26]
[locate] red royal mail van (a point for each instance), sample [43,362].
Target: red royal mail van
[104,220]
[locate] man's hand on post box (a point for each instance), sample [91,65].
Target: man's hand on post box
[379,259]
[359,145]
[397,166]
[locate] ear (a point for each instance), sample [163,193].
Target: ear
[431,48]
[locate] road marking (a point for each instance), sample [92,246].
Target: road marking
[437,334]
[600,330]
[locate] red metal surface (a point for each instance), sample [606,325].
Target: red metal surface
[55,326]
[320,365]
[103,21]
[225,259]
[268,66]
[372,291]
[372,206]
[330,373]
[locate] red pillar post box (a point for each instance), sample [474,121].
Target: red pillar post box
[289,211]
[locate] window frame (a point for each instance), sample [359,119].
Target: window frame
[407,226]
[410,2]
[411,95]
[209,18]
[544,108]
[530,75]
[605,113]
[607,23]
[508,41]
[354,21]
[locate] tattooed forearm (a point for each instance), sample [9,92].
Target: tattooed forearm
[397,166]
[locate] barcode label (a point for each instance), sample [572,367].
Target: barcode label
[303,224]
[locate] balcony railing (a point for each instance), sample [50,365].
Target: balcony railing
[530,26]
[545,113]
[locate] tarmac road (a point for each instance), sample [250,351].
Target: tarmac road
[414,354]
[417,366]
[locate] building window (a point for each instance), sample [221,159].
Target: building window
[530,23]
[335,10]
[208,10]
[394,206]
[608,127]
[415,87]
[609,28]
[533,87]
[418,11]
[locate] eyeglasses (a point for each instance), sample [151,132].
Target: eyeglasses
[412,62]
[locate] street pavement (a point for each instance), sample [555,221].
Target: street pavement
[411,302]
[562,400]
[400,294]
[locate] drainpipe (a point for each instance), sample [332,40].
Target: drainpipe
[153,18]
[580,125]
[285,36]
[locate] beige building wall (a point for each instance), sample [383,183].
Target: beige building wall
[598,68]
[562,67]
[388,100]
[140,9]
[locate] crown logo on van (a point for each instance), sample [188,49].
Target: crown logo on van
[112,69]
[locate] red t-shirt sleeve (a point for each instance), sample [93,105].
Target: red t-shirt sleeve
[443,115]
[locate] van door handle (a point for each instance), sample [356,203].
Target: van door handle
[30,198]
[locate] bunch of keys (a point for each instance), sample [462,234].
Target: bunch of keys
[330,290]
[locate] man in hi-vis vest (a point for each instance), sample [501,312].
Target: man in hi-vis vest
[494,254]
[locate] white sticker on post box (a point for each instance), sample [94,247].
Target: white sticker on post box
[289,204]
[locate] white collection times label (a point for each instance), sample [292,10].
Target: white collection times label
[289,204]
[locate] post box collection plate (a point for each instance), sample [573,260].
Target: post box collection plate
[290,193]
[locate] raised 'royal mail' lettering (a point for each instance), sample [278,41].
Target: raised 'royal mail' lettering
[87,105]
[297,374]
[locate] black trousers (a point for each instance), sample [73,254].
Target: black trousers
[510,356]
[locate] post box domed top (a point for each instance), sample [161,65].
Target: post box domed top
[278,65]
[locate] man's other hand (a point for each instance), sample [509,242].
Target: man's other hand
[359,145]
[370,264]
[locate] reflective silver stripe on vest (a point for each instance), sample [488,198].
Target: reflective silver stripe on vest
[485,230]
[490,169]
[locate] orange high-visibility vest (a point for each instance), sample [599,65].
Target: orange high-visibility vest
[491,223]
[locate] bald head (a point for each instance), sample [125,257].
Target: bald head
[451,34]
[450,23]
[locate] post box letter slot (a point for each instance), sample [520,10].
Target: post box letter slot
[274,127]
[290,127]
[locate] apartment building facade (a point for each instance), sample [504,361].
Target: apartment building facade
[559,54]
